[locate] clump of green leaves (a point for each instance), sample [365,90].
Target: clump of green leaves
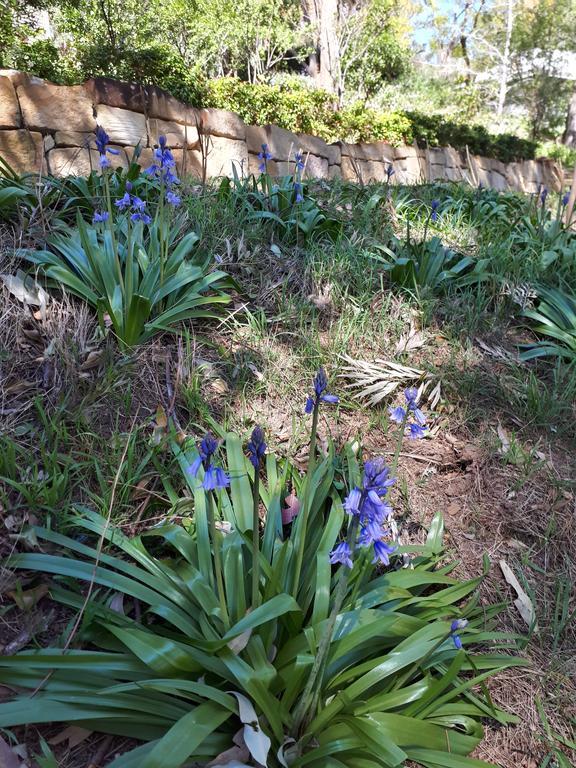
[554,317]
[310,661]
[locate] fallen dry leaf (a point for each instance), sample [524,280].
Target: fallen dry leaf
[522,602]
[74,735]
[29,598]
[504,440]
[292,508]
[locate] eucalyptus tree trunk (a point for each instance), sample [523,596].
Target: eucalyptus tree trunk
[324,62]
[506,57]
[569,138]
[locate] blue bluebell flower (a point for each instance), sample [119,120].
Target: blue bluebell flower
[565,198]
[173,199]
[299,160]
[100,216]
[264,156]
[412,396]
[163,164]
[214,477]
[143,217]
[256,447]
[543,196]
[298,191]
[138,204]
[416,432]
[342,554]
[124,202]
[435,206]
[371,510]
[320,386]
[454,627]
[397,414]
[382,552]
[102,139]
[389,172]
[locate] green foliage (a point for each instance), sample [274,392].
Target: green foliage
[430,266]
[435,130]
[183,680]
[142,281]
[275,201]
[554,317]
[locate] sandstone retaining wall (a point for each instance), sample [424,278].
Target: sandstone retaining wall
[49,128]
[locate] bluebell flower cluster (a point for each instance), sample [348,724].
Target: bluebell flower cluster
[100,216]
[102,140]
[135,204]
[298,190]
[400,415]
[565,198]
[256,447]
[435,206]
[389,172]
[214,477]
[368,505]
[163,165]
[456,625]
[263,156]
[320,394]
[173,199]
[543,196]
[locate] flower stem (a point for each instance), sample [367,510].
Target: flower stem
[217,561]
[307,501]
[256,540]
[310,696]
[399,440]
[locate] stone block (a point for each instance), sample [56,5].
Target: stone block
[282,144]
[177,135]
[275,168]
[76,161]
[48,142]
[334,171]
[105,90]
[223,153]
[411,169]
[514,177]
[220,122]
[74,139]
[315,167]
[123,126]
[165,107]
[497,181]
[46,107]
[9,109]
[453,174]
[315,146]
[22,150]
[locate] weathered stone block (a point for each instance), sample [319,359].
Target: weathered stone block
[105,90]
[274,168]
[177,135]
[282,144]
[9,109]
[48,107]
[17,77]
[165,107]
[334,171]
[315,167]
[315,146]
[74,139]
[223,153]
[220,122]
[379,151]
[123,126]
[497,181]
[22,150]
[76,161]
[411,169]
[352,169]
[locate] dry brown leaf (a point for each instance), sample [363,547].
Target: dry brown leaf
[93,360]
[292,508]
[522,602]
[8,758]
[29,598]
[74,735]
[504,440]
[18,387]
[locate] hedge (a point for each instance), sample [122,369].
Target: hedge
[305,110]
